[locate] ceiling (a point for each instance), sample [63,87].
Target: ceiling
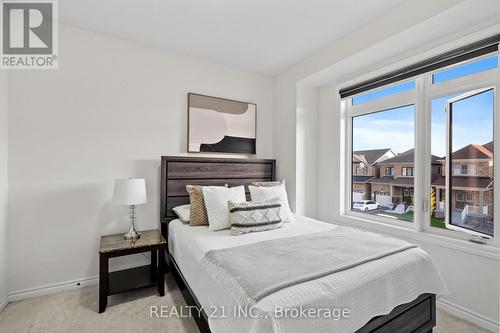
[265,36]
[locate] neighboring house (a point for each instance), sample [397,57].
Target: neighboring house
[364,168]
[471,182]
[395,184]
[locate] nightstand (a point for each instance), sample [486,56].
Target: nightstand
[111,283]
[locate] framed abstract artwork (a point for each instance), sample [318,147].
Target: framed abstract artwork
[219,125]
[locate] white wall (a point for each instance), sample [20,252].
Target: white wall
[110,110]
[307,151]
[328,150]
[473,279]
[3,186]
[395,20]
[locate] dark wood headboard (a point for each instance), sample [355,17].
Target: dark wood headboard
[177,172]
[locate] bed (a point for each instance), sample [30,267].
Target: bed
[394,294]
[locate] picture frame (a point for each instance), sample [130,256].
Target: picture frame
[221,125]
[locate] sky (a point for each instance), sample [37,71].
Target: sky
[472,117]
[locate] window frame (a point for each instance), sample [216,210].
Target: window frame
[405,171]
[351,111]
[421,97]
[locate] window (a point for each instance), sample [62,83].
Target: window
[384,92]
[469,133]
[408,172]
[467,69]
[470,119]
[460,169]
[365,171]
[454,192]
[374,133]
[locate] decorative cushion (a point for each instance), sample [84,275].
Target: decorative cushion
[183,212]
[255,216]
[216,199]
[269,184]
[261,193]
[198,214]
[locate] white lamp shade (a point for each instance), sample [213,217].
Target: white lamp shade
[129,191]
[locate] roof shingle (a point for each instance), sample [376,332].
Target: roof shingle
[473,151]
[371,155]
[361,179]
[404,181]
[464,181]
[407,157]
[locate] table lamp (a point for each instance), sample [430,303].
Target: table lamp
[131,192]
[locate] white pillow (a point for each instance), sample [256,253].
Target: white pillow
[183,212]
[261,193]
[216,199]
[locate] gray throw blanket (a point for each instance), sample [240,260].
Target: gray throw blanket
[251,272]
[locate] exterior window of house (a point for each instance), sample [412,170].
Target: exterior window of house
[453,194]
[357,170]
[407,171]
[460,169]
[365,171]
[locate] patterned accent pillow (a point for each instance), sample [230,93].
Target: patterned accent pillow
[198,214]
[260,193]
[255,216]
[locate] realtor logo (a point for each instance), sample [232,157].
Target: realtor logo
[29,34]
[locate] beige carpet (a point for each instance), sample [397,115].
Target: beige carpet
[76,311]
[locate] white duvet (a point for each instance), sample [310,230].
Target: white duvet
[367,291]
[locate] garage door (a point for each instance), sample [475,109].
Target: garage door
[356,196]
[383,199]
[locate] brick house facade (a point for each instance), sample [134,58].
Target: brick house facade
[364,168]
[471,182]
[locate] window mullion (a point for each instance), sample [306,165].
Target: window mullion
[422,155]
[496,165]
[346,110]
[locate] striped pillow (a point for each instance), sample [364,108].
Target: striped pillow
[255,216]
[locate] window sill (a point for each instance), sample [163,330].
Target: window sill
[484,250]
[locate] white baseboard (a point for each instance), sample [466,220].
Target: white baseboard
[72,284]
[52,288]
[469,315]
[3,302]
